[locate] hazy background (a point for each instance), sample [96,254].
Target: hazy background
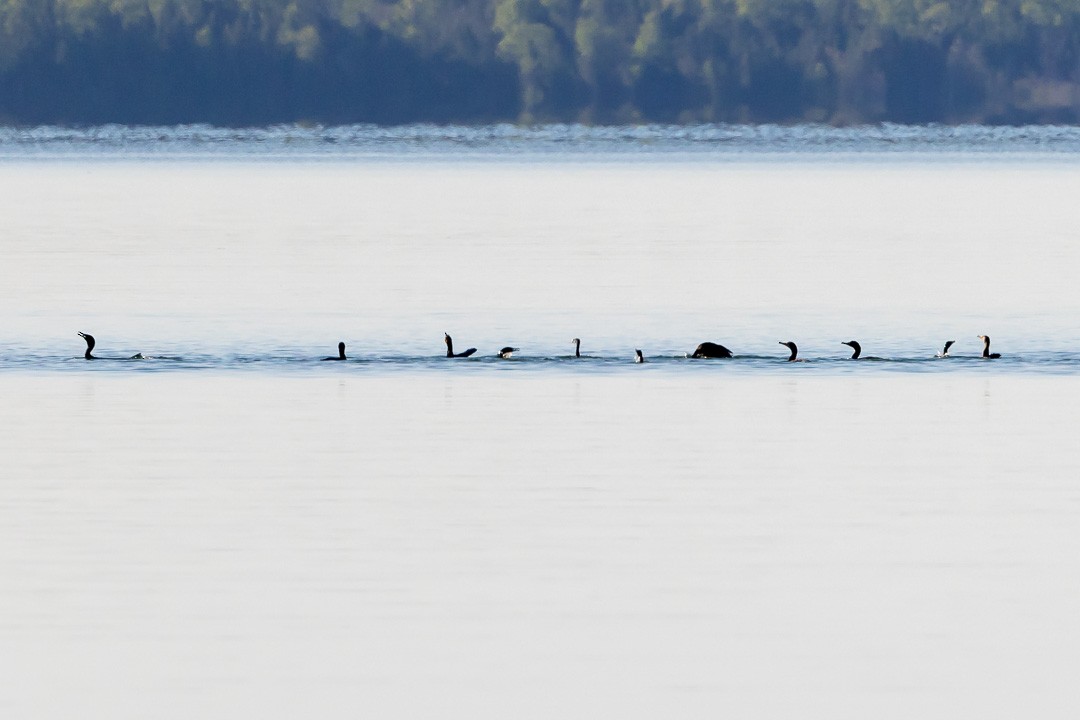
[253,62]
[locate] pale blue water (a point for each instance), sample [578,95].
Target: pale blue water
[235,528]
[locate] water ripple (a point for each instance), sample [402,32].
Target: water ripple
[1056,363]
[566,140]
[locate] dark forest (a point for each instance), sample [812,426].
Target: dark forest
[258,62]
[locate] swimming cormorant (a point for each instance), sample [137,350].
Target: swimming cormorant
[90,342]
[945,351]
[507,352]
[711,350]
[577,347]
[450,348]
[340,351]
[854,346]
[986,348]
[638,357]
[794,351]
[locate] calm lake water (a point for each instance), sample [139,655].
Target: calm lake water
[233,528]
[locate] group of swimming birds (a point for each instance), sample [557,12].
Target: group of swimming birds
[704,350]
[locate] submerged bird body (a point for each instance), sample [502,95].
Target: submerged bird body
[341,353]
[507,352]
[450,348]
[986,348]
[711,350]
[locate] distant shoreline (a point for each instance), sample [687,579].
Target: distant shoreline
[555,141]
[260,62]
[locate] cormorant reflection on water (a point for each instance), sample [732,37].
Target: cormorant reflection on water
[450,348]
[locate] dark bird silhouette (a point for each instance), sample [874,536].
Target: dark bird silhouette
[986,348]
[507,352]
[794,351]
[90,343]
[711,350]
[638,357]
[577,347]
[857,354]
[450,348]
[945,351]
[340,353]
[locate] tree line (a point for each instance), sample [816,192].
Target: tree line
[257,62]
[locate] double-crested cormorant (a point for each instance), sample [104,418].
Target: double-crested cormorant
[450,348]
[90,343]
[711,350]
[340,353]
[577,347]
[986,348]
[638,357]
[857,351]
[507,352]
[794,351]
[945,351]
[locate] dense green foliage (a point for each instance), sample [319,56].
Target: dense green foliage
[237,62]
